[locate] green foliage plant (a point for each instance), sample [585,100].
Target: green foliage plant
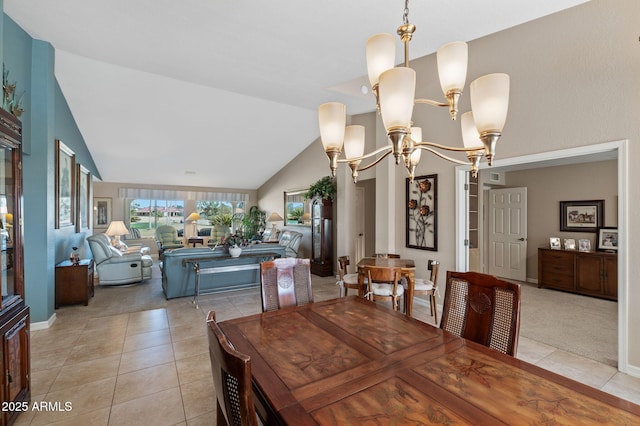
[324,188]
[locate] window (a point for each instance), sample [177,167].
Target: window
[147,215]
[225,213]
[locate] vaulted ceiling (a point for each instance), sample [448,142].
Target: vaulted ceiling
[224,93]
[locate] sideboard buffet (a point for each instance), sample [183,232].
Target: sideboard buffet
[589,273]
[15,387]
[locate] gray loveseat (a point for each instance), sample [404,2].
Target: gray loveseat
[218,270]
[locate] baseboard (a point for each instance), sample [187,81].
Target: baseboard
[633,371]
[43,325]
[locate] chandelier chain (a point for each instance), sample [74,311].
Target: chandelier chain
[405,15]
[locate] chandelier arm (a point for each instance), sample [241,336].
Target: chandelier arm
[441,155]
[371,154]
[431,102]
[368,166]
[446,148]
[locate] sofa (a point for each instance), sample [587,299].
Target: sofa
[115,267]
[218,270]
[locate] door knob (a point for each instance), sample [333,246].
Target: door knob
[521,239]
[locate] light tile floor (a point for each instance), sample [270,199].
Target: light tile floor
[152,367]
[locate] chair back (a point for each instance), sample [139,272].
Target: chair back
[343,263]
[484,309]
[434,267]
[231,378]
[386,256]
[101,248]
[166,234]
[285,282]
[291,240]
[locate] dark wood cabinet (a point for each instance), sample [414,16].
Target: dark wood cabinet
[74,283]
[15,388]
[321,242]
[589,273]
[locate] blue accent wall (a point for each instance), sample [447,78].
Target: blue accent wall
[47,117]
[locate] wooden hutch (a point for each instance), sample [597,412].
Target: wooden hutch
[15,388]
[321,240]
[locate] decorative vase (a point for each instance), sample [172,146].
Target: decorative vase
[235,251]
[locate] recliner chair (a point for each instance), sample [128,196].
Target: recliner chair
[115,267]
[291,241]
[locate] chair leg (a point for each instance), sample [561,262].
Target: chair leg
[432,299]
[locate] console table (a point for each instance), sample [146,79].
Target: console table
[74,283]
[588,273]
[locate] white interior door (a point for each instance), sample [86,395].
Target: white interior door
[508,233]
[359,225]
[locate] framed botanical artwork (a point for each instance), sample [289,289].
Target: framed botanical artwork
[422,213]
[101,212]
[65,185]
[581,216]
[608,239]
[83,180]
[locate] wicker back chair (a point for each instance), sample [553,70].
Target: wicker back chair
[285,282]
[231,378]
[484,309]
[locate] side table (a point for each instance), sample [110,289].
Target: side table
[74,283]
[196,240]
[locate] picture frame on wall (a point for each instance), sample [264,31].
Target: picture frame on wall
[607,239]
[83,180]
[581,216]
[101,212]
[65,185]
[422,213]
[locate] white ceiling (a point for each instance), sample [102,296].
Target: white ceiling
[224,93]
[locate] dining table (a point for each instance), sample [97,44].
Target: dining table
[350,361]
[379,266]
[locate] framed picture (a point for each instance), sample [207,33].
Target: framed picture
[581,216]
[84,186]
[584,245]
[422,213]
[65,185]
[607,239]
[554,243]
[101,212]
[569,244]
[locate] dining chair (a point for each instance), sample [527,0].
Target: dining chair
[484,309]
[285,282]
[384,284]
[386,255]
[347,280]
[231,379]
[426,287]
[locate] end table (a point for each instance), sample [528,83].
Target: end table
[74,283]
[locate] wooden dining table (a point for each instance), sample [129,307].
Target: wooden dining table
[383,264]
[350,361]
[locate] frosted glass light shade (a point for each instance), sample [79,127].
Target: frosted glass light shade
[470,135]
[332,117]
[490,102]
[397,90]
[416,134]
[354,141]
[452,65]
[381,55]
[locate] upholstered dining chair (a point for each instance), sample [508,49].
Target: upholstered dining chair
[285,282]
[426,287]
[347,280]
[484,309]
[384,284]
[231,379]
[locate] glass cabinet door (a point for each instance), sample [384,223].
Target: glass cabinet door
[316,223]
[7,230]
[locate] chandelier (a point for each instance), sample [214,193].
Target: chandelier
[394,89]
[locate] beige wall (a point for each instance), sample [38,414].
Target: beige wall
[574,82]
[547,186]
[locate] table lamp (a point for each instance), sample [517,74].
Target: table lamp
[115,229]
[274,217]
[305,218]
[194,218]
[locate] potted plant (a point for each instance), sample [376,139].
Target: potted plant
[254,221]
[234,242]
[324,188]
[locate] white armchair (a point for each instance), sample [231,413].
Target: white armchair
[115,267]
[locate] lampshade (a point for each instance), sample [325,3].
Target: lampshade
[470,135]
[490,102]
[381,55]
[332,117]
[305,216]
[194,217]
[116,228]
[416,136]
[354,141]
[452,65]
[397,89]
[274,217]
